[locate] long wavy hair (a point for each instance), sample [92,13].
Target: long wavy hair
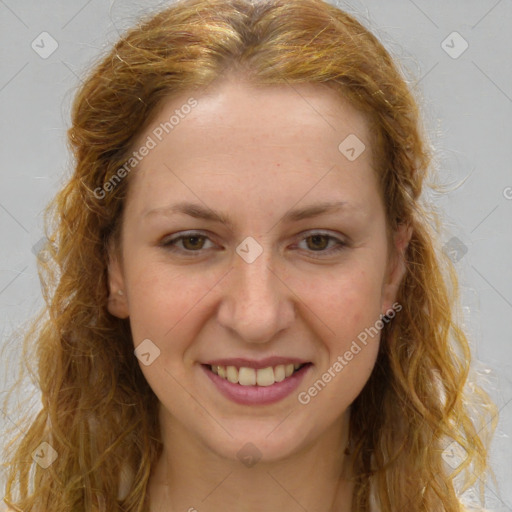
[98,412]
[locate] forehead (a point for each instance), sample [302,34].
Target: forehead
[270,112]
[271,140]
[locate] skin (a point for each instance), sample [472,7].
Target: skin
[254,154]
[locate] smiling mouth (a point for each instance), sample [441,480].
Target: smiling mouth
[256,377]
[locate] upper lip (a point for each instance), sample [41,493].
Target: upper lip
[257,364]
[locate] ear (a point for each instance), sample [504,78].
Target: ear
[396,268]
[117,299]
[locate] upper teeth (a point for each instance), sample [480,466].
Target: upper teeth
[252,377]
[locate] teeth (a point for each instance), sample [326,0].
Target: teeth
[279,373]
[247,376]
[265,376]
[232,374]
[252,377]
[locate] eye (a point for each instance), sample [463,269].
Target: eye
[319,241]
[190,242]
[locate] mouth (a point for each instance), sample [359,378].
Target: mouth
[263,377]
[261,383]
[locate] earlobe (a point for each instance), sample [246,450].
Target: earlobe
[397,267]
[117,301]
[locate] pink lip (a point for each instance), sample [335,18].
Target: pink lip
[251,363]
[257,395]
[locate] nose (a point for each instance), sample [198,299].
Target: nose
[256,303]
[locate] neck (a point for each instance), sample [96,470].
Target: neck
[190,477]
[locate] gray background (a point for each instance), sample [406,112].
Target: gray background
[467,107]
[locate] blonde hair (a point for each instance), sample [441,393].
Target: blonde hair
[98,412]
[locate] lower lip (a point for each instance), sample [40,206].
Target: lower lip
[257,395]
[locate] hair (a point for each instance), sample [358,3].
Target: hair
[98,412]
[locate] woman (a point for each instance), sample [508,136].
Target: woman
[247,309]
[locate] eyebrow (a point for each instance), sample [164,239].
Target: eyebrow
[200,212]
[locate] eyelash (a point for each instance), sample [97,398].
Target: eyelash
[170,244]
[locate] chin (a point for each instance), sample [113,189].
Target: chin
[254,442]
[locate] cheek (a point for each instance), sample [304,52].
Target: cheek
[350,307]
[163,299]
[167,307]
[349,304]
[347,299]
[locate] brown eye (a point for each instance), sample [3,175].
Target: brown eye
[323,244]
[318,242]
[190,244]
[193,242]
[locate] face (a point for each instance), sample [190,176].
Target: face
[252,246]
